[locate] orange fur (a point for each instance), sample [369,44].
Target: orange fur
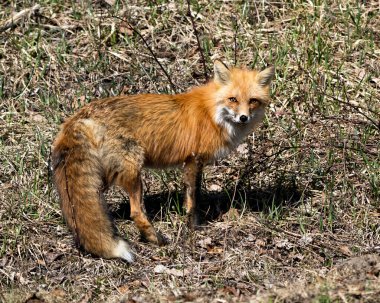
[109,141]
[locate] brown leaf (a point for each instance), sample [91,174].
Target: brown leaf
[160,258]
[125,29]
[242,149]
[86,298]
[135,283]
[260,243]
[231,215]
[123,289]
[159,269]
[57,295]
[51,257]
[177,272]
[345,250]
[205,243]
[214,187]
[215,250]
[41,262]
[283,243]
[231,290]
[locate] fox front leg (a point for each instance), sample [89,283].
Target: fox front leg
[193,179]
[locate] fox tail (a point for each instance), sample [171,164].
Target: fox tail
[77,173]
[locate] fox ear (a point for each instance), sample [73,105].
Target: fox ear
[221,72]
[266,76]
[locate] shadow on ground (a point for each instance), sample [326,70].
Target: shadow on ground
[213,205]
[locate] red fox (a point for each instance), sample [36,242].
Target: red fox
[110,140]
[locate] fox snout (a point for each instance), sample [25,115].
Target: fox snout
[243,118]
[228,114]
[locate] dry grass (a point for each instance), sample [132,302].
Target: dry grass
[294,212]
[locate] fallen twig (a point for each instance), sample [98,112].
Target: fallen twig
[150,50]
[347,102]
[199,43]
[236,29]
[17,17]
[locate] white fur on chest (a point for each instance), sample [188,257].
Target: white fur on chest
[236,132]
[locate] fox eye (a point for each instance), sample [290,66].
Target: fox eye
[254,101]
[232,99]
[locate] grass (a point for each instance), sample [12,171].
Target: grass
[304,190]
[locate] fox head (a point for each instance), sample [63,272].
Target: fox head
[241,97]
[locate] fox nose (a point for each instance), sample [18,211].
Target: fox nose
[243,118]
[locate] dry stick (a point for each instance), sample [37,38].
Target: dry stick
[236,28]
[377,124]
[317,246]
[16,18]
[174,87]
[282,149]
[199,43]
[357,108]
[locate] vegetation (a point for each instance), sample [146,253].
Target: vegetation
[292,216]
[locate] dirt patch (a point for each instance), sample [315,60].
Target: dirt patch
[352,280]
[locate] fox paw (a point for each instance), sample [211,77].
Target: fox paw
[192,221]
[162,239]
[156,238]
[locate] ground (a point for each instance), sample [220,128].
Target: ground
[292,216]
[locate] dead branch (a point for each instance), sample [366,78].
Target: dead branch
[200,49]
[236,29]
[174,87]
[17,17]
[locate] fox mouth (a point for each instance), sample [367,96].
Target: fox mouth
[237,121]
[244,122]
[225,115]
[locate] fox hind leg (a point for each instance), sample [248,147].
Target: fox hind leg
[133,185]
[129,156]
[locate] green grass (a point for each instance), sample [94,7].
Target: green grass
[312,169]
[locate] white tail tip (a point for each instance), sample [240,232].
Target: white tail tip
[123,251]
